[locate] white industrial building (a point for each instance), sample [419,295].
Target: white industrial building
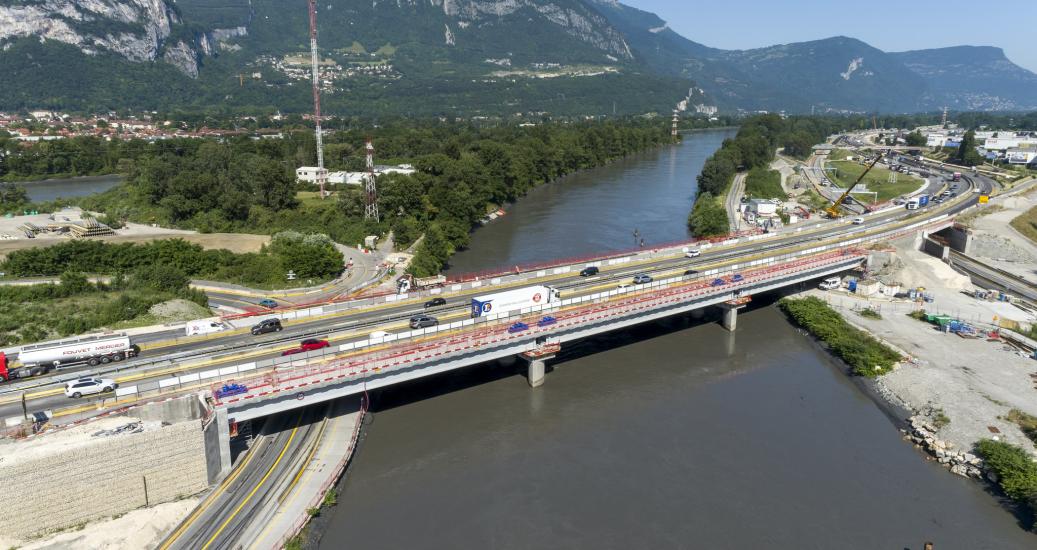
[308,174]
[762,207]
[1021,155]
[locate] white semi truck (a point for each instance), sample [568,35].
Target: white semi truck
[513,300]
[93,350]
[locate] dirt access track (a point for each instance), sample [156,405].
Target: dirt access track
[235,242]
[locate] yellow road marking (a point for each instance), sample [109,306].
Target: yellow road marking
[256,488]
[304,470]
[207,502]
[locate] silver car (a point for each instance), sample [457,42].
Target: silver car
[89,386]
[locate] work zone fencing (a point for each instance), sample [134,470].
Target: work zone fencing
[497,332]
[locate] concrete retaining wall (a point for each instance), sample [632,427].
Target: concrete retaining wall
[106,478]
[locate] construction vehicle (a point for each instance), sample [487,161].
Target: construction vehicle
[833,210]
[409,282]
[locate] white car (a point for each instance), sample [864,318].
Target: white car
[830,283]
[88,386]
[858,221]
[692,253]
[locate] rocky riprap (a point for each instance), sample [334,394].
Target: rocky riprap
[923,433]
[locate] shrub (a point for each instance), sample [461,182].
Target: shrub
[1015,468]
[865,355]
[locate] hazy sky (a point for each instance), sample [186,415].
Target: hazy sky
[890,25]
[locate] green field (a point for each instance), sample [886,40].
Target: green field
[762,183]
[876,180]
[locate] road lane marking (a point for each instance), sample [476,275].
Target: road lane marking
[256,488]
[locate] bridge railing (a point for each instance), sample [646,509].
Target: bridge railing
[673,291]
[297,372]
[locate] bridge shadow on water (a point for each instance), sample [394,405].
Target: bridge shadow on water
[492,371]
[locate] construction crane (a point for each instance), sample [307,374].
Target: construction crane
[314,60]
[833,210]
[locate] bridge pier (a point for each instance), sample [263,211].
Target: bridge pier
[536,374]
[730,309]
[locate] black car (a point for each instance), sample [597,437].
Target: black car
[435,302]
[691,272]
[267,325]
[589,271]
[422,321]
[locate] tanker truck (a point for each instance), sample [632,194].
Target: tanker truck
[41,358]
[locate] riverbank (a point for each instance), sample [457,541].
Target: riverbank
[949,393]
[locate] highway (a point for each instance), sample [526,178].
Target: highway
[357,324]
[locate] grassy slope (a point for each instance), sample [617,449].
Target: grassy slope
[876,180]
[1026,223]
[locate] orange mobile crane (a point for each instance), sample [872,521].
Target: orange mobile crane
[833,210]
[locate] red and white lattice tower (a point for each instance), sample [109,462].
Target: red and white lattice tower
[322,174]
[371,192]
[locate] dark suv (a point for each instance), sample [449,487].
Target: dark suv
[267,325]
[422,321]
[589,271]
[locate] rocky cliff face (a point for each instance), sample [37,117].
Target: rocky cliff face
[138,30]
[575,18]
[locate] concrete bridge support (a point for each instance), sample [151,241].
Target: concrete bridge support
[730,309]
[218,451]
[537,373]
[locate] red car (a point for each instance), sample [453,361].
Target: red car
[307,345]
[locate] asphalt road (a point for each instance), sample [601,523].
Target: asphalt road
[994,278]
[265,474]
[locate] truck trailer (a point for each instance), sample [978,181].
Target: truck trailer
[513,300]
[39,359]
[408,283]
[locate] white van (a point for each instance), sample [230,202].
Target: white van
[204,326]
[830,283]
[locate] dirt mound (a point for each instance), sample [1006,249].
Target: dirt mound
[178,310]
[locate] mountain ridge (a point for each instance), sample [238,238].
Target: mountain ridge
[462,56]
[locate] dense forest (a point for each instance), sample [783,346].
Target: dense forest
[753,148]
[246,185]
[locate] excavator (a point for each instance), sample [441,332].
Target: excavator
[833,210]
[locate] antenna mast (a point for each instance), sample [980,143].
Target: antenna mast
[321,173]
[371,199]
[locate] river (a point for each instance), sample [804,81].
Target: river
[674,434]
[48,190]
